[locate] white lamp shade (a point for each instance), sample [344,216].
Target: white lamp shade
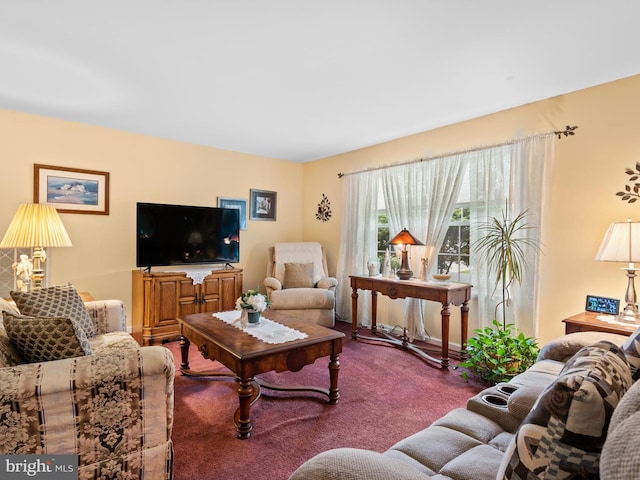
[621,243]
[36,225]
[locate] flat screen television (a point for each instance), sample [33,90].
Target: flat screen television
[185,235]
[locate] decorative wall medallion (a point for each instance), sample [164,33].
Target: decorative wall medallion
[324,209]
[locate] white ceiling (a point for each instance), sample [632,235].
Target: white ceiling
[301,79]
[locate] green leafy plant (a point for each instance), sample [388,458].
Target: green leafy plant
[498,352]
[503,248]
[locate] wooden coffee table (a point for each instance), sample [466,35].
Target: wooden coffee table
[247,356]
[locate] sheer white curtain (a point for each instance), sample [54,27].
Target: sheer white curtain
[516,177]
[359,240]
[420,197]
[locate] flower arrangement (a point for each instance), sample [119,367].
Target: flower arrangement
[253,300]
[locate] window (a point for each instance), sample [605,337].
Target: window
[453,257]
[383,234]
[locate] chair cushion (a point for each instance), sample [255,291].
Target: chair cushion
[112,341]
[56,301]
[298,275]
[298,252]
[302,299]
[564,434]
[42,339]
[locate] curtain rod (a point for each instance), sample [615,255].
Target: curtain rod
[566,132]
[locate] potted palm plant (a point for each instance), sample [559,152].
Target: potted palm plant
[497,353]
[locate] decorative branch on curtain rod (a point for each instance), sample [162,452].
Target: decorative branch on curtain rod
[566,132]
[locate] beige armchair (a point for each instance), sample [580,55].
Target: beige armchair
[298,282]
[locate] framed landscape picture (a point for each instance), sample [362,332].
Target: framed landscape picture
[71,190]
[238,203]
[263,205]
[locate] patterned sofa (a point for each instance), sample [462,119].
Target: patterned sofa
[105,399]
[575,414]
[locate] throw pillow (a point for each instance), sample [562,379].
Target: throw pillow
[7,307]
[9,356]
[42,339]
[298,275]
[57,301]
[631,349]
[563,435]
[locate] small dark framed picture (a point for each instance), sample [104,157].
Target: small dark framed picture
[237,203]
[263,205]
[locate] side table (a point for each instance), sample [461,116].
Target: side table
[592,322]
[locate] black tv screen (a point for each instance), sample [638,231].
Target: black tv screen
[182,235]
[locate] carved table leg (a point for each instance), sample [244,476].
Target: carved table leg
[446,313]
[374,312]
[243,423]
[464,329]
[354,313]
[334,369]
[184,352]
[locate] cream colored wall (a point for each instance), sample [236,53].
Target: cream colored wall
[141,168]
[589,170]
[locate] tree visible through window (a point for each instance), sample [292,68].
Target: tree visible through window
[453,257]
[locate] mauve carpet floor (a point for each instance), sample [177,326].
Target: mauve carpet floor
[386,394]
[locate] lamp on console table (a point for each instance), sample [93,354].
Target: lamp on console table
[35,226]
[621,243]
[405,238]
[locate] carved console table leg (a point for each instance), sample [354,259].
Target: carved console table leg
[464,329]
[354,313]
[446,313]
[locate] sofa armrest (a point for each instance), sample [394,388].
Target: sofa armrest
[108,315]
[272,284]
[563,348]
[355,464]
[328,283]
[96,406]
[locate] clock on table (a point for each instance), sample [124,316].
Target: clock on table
[610,306]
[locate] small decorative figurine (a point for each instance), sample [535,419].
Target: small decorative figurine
[371,265]
[23,271]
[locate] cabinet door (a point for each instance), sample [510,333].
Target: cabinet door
[165,301]
[230,290]
[187,297]
[209,293]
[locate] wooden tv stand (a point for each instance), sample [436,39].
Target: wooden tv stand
[159,298]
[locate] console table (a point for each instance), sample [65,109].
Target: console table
[446,294]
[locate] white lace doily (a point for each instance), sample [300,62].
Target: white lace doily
[197,275]
[268,331]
